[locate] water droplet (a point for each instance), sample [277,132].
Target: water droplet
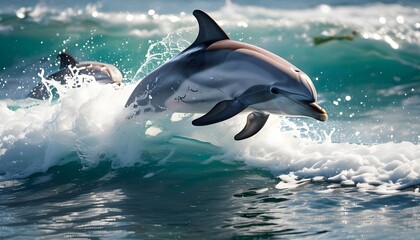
[151,12]
[400,19]
[382,20]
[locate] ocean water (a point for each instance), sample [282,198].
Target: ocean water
[75,167]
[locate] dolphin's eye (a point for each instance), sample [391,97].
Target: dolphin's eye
[297,70]
[274,90]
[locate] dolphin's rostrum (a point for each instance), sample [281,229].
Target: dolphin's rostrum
[221,78]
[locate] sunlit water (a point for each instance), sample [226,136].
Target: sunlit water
[74,166]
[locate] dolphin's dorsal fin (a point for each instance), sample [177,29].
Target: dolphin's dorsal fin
[66,60]
[209,31]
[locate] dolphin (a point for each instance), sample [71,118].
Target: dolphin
[221,78]
[102,72]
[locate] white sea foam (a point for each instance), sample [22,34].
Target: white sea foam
[89,122]
[391,23]
[305,153]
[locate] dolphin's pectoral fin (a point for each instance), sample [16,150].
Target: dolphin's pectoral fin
[255,122]
[220,112]
[66,60]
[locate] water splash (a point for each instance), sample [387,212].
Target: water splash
[162,51]
[75,79]
[87,126]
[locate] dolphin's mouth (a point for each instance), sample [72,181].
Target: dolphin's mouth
[315,110]
[320,113]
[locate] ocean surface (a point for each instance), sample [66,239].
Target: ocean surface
[74,167]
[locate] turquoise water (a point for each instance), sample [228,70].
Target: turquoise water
[75,167]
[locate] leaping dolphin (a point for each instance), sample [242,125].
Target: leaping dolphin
[102,72]
[221,78]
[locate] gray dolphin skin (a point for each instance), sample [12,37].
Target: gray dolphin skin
[221,78]
[102,72]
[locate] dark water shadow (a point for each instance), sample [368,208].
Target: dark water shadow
[190,200]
